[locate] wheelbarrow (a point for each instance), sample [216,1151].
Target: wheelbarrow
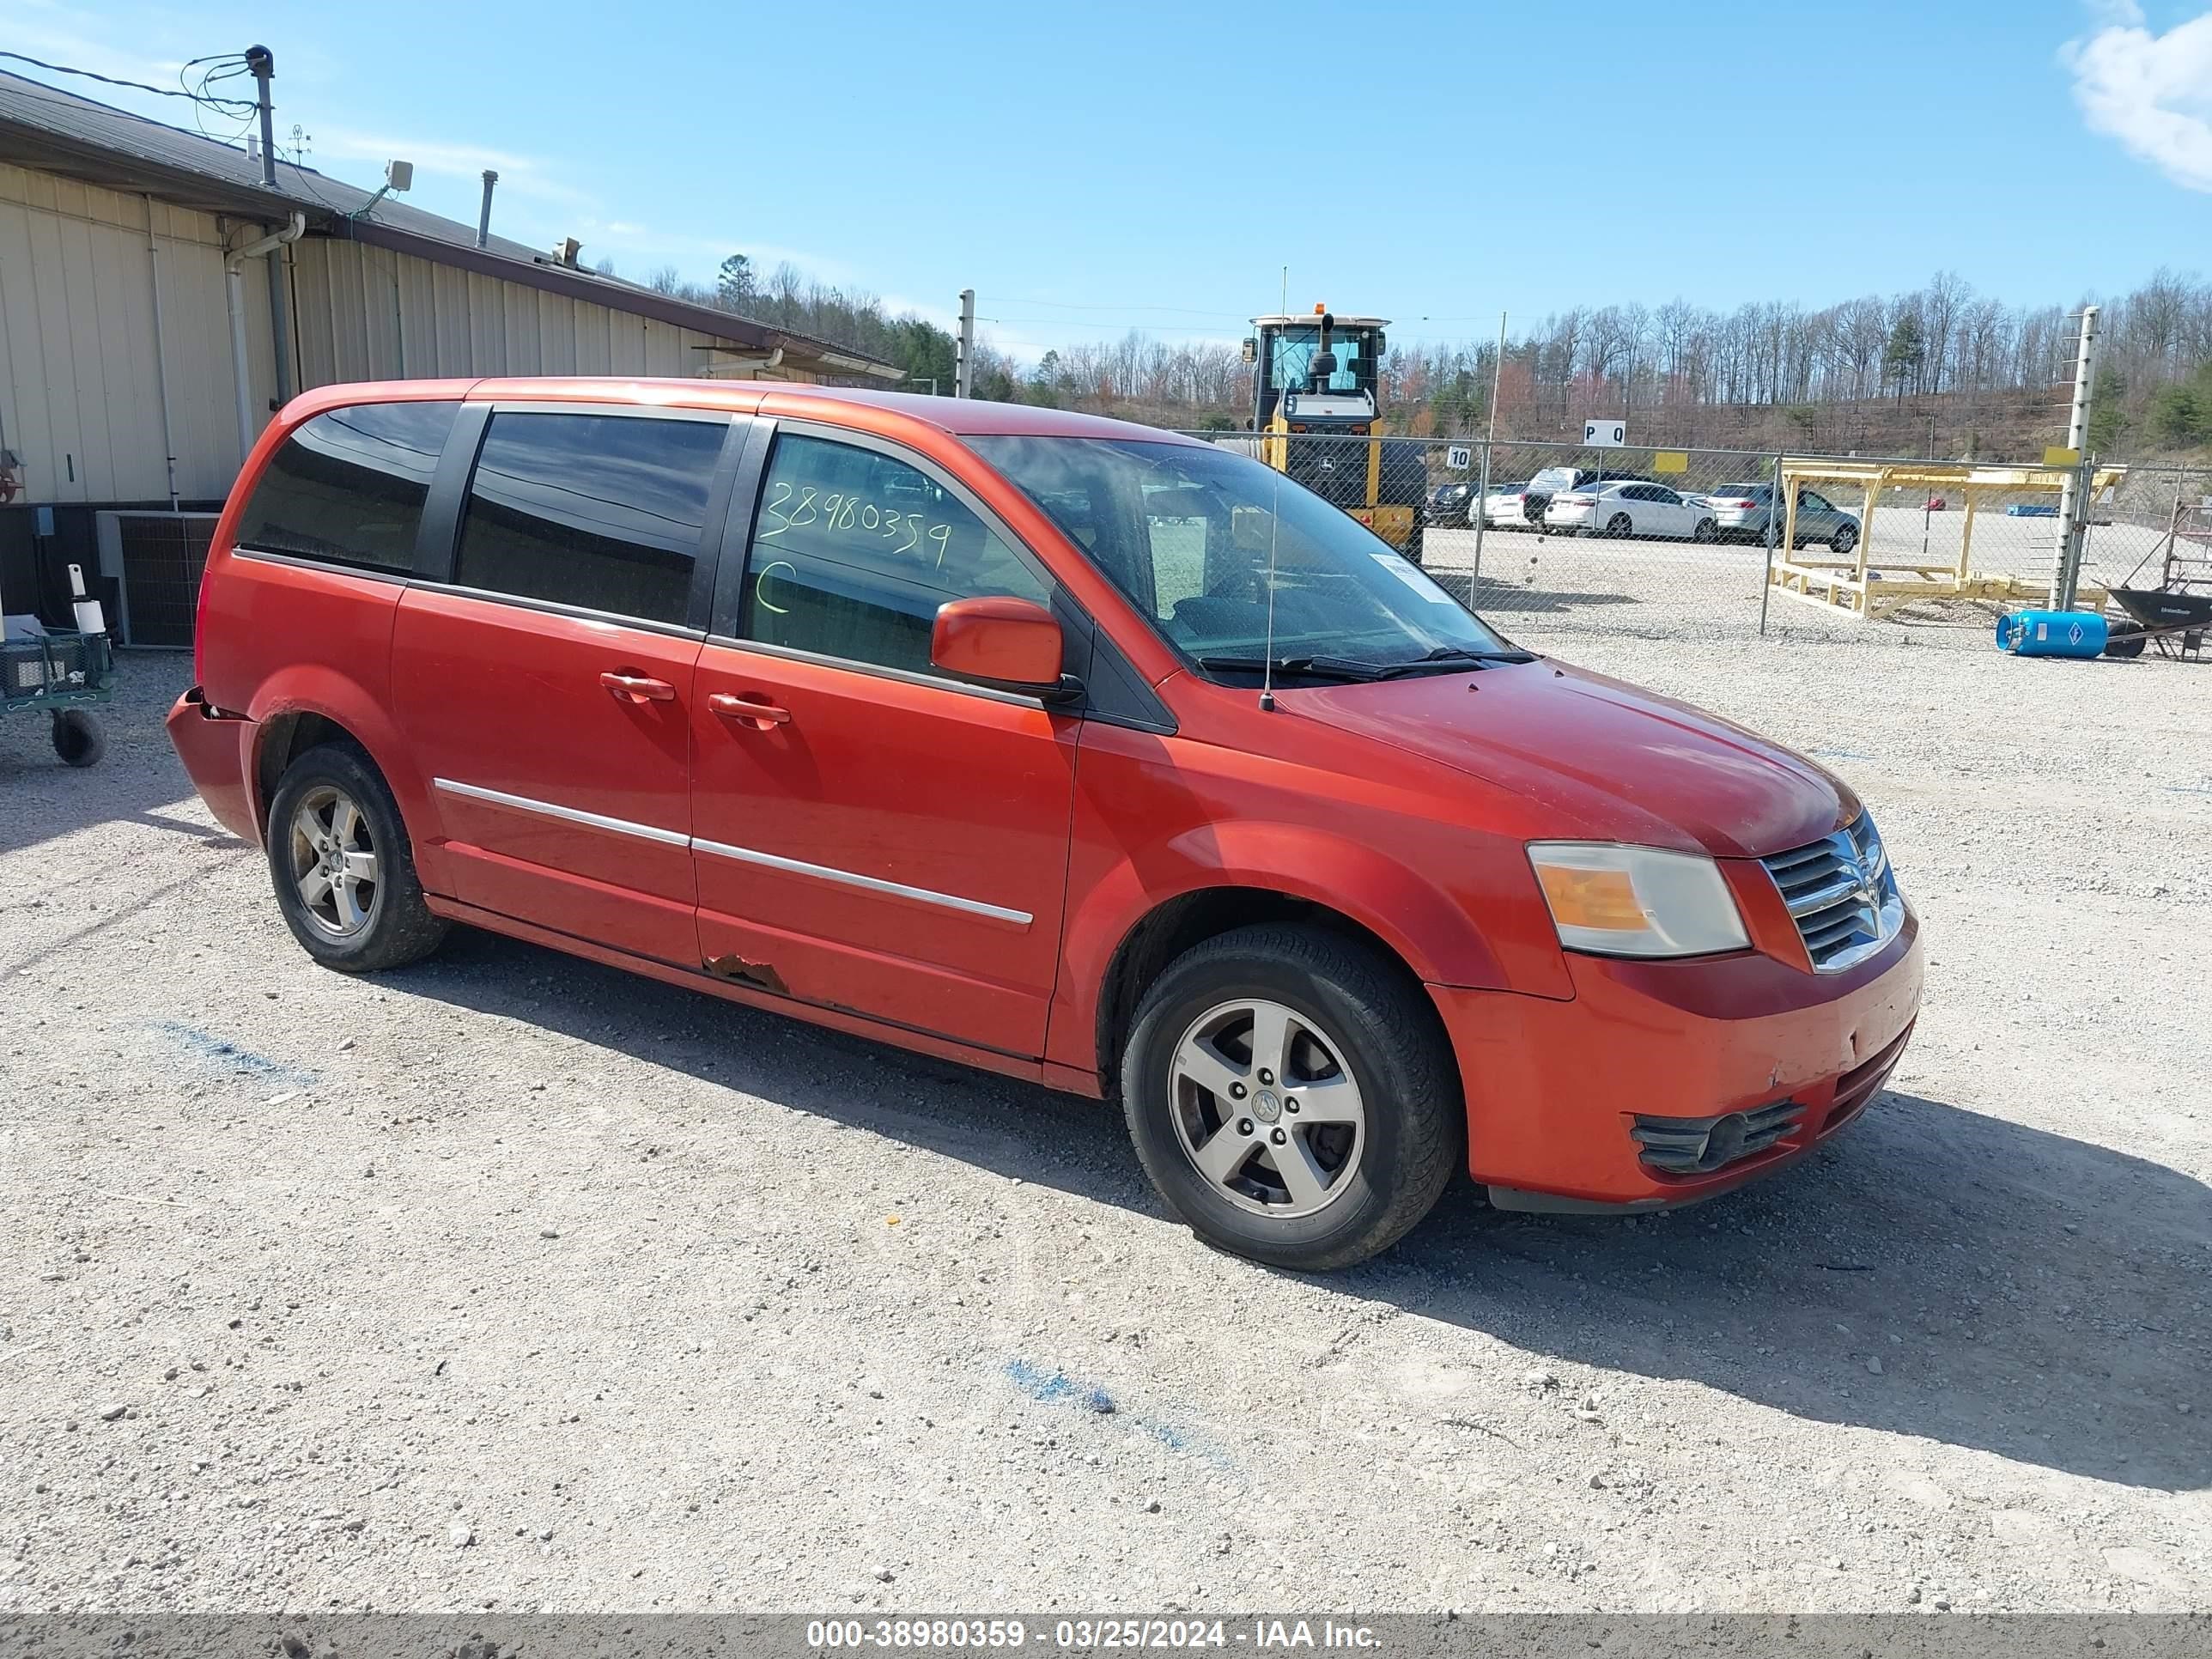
[2159,614]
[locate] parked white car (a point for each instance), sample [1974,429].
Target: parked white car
[1507,507]
[1632,508]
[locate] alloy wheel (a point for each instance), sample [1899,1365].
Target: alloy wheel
[1265,1108]
[334,861]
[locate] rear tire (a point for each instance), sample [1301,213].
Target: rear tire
[1350,1039]
[79,737]
[342,867]
[1706,531]
[1844,540]
[1621,527]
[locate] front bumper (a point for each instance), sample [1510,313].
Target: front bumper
[217,751]
[1557,1091]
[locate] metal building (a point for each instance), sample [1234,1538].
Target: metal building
[127,311]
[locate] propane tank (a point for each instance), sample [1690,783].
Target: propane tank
[88,617]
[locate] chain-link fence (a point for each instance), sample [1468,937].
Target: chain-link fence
[1699,543]
[2153,530]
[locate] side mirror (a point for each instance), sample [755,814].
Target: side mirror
[998,639]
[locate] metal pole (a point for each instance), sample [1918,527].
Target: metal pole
[964,365]
[263,63]
[2066,570]
[1497,378]
[1766,587]
[1481,519]
[483,213]
[161,364]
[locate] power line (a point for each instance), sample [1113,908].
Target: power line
[135,86]
[1067,304]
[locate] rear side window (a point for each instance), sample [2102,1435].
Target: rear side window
[348,486]
[854,551]
[600,511]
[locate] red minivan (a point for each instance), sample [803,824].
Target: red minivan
[1063,747]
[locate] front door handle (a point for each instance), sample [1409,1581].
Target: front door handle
[637,688]
[756,712]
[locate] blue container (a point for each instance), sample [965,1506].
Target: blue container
[2052,634]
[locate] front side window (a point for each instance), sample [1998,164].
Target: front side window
[1196,536]
[854,550]
[349,485]
[600,511]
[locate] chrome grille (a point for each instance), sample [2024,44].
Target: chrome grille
[1842,894]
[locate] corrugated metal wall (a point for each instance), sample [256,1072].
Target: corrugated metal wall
[369,313]
[80,401]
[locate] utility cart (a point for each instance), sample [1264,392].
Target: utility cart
[62,676]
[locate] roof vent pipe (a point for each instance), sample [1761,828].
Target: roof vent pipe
[484,214]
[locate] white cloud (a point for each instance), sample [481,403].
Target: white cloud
[2152,92]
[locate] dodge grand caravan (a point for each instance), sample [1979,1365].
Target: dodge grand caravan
[1059,747]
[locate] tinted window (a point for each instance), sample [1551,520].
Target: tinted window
[349,485]
[601,511]
[854,551]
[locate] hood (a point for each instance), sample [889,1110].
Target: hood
[1617,764]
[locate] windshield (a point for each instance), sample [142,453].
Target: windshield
[1187,531]
[1295,349]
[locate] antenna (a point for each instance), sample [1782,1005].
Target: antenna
[1275,527]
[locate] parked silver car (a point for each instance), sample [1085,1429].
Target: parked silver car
[1741,511]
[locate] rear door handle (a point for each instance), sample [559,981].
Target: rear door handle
[756,712]
[637,688]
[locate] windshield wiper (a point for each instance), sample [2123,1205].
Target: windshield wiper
[1304,668]
[1446,658]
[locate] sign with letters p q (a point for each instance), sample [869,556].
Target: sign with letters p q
[1459,457]
[1604,434]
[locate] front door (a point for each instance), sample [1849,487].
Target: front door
[547,688]
[867,834]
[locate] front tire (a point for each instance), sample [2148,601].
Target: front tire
[1292,1097]
[342,867]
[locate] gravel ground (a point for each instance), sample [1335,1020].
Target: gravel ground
[511,1281]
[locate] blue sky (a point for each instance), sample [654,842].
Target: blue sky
[1087,169]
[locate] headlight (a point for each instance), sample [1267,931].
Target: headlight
[1616,900]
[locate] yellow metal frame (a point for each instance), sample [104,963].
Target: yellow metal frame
[1394,525]
[1841,583]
